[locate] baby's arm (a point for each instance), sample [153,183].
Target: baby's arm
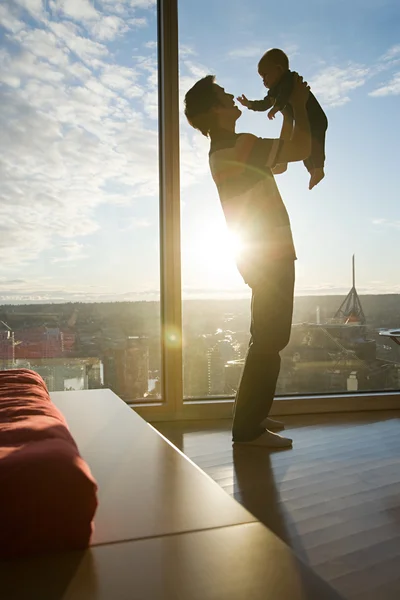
[272,112]
[257,105]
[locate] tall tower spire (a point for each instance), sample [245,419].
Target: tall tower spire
[351,311]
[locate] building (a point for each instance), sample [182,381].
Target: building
[219,355]
[233,372]
[41,342]
[6,346]
[339,355]
[216,371]
[195,366]
[94,374]
[126,368]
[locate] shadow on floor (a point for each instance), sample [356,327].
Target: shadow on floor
[47,577]
[256,490]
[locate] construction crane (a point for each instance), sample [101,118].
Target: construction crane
[351,311]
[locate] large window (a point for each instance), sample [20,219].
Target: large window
[350,54]
[79,217]
[84,227]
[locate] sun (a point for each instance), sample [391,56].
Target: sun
[209,257]
[218,245]
[234,243]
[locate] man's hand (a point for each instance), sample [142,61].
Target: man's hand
[244,101]
[279,169]
[300,92]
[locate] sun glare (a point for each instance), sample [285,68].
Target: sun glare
[219,244]
[234,243]
[212,254]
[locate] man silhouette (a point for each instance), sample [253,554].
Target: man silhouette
[241,168]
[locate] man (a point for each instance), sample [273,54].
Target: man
[241,168]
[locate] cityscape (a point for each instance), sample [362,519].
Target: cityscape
[335,346]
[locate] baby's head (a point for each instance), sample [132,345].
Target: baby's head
[272,66]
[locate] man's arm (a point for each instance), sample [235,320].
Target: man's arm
[299,145]
[284,89]
[286,135]
[287,126]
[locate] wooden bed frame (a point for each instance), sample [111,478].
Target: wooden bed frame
[163,531]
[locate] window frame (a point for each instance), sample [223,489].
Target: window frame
[173,405]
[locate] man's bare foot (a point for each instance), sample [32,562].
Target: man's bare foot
[278,169]
[317,175]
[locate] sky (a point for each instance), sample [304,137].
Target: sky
[79,149]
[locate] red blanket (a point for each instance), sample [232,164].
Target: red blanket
[47,493]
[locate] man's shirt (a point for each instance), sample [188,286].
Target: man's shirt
[241,168]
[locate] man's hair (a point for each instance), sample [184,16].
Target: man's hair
[274,56]
[199,101]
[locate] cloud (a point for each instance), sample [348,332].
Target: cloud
[252,51]
[69,36]
[109,27]
[121,78]
[373,287]
[75,135]
[115,20]
[72,251]
[44,291]
[333,85]
[185,51]
[386,223]
[392,54]
[75,9]
[256,50]
[136,223]
[8,20]
[392,88]
[196,70]
[291,50]
[143,4]
[138,22]
[34,7]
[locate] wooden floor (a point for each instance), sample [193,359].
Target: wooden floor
[334,498]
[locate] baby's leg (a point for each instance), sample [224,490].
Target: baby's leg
[317,175]
[315,162]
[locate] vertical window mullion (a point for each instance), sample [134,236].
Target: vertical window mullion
[170,235]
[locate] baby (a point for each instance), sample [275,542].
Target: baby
[277,77]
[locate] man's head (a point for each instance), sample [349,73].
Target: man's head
[272,66]
[208,107]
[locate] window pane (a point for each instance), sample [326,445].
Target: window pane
[79,269]
[352,65]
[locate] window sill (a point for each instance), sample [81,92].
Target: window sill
[283,405]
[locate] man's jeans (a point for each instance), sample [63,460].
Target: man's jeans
[271,320]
